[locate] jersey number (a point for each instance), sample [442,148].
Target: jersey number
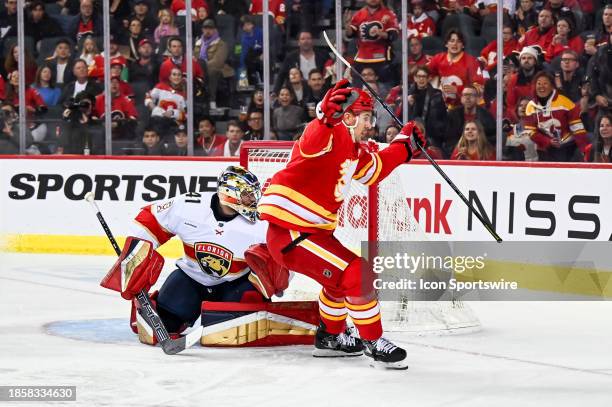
[194,197]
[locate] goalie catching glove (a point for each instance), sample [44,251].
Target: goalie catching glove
[138,268]
[412,137]
[269,277]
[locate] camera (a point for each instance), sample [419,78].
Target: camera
[76,104]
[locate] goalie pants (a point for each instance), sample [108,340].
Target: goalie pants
[346,279]
[180,297]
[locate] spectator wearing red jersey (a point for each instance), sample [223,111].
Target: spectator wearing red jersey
[521,83]
[455,69]
[473,145]
[416,57]
[276,8]
[554,122]
[420,24]
[96,71]
[118,69]
[199,9]
[375,27]
[566,38]
[123,111]
[542,34]
[177,59]
[489,53]
[208,142]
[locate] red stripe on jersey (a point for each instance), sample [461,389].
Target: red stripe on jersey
[148,221]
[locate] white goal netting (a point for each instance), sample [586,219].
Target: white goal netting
[391,221]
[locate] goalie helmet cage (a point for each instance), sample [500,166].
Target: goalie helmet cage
[376,213]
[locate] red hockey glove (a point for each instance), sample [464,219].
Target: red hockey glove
[137,268]
[412,137]
[330,108]
[267,276]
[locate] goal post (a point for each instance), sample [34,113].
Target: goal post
[379,213]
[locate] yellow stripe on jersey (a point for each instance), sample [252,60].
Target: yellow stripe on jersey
[325,149]
[320,252]
[329,302]
[366,321]
[354,307]
[379,166]
[300,199]
[362,172]
[287,216]
[331,317]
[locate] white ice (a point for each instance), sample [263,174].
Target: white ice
[528,354]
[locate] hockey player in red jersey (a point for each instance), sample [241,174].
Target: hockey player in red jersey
[301,205]
[217,231]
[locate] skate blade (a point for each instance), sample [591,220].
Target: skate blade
[400,365]
[330,353]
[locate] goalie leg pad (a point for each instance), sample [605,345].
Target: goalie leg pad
[259,324]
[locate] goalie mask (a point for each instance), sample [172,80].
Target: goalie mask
[240,190]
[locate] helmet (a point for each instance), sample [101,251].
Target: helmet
[359,101]
[239,189]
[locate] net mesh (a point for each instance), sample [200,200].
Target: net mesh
[394,222]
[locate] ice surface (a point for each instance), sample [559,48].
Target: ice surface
[528,354]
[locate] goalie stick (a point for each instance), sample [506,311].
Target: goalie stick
[169,346]
[484,222]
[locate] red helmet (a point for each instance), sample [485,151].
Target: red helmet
[359,101]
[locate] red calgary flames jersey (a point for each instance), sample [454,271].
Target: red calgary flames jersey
[369,47]
[307,194]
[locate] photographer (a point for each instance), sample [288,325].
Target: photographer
[9,133]
[82,133]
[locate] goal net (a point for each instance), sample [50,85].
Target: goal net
[373,214]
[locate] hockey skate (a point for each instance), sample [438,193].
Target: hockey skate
[333,346]
[384,354]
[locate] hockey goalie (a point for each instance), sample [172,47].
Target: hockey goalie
[225,278]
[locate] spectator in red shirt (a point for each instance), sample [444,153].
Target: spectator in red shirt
[521,83]
[276,8]
[123,111]
[420,24]
[375,27]
[564,39]
[542,34]
[177,59]
[87,23]
[473,145]
[208,142]
[199,9]
[455,69]
[489,53]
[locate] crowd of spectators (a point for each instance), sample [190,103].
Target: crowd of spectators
[557,74]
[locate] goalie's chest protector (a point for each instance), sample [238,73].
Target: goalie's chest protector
[214,249]
[308,193]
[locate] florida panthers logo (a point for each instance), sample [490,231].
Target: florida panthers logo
[213,259]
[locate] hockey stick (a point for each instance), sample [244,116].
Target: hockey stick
[484,222]
[169,346]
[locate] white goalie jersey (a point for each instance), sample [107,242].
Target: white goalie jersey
[213,245]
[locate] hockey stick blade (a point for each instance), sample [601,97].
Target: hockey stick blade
[433,162]
[169,346]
